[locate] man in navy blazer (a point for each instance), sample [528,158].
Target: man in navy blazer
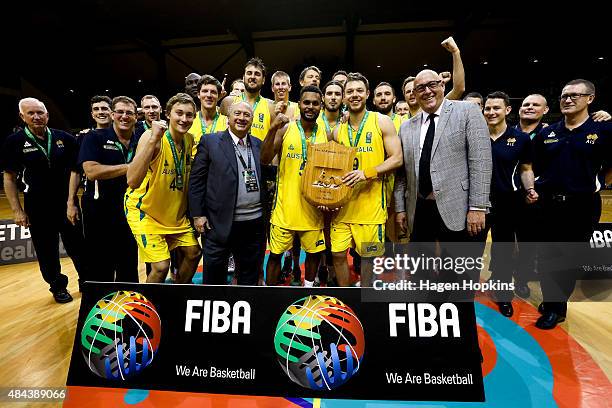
[227,200]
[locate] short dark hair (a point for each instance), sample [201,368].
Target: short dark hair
[340,72]
[209,80]
[100,98]
[406,81]
[588,84]
[385,84]
[180,97]
[473,95]
[333,82]
[256,62]
[123,99]
[305,70]
[357,76]
[311,88]
[499,95]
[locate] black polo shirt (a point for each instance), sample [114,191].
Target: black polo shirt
[44,179]
[570,161]
[140,128]
[508,152]
[534,132]
[103,146]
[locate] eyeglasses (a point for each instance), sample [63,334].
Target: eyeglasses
[573,96]
[129,114]
[432,85]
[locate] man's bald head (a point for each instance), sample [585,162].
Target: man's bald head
[191,85]
[240,118]
[429,90]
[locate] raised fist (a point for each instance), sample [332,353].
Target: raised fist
[280,107]
[158,127]
[280,120]
[445,76]
[450,45]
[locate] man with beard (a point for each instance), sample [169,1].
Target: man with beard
[263,108]
[281,86]
[208,119]
[291,213]
[458,79]
[310,76]
[156,201]
[104,156]
[361,222]
[384,98]
[151,109]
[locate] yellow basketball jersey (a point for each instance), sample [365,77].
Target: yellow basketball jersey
[323,122]
[397,120]
[159,206]
[368,202]
[261,116]
[197,130]
[290,210]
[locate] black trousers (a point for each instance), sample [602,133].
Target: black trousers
[431,237]
[566,226]
[503,220]
[111,247]
[47,223]
[247,242]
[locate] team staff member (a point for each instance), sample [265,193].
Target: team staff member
[208,120]
[156,202]
[401,108]
[44,157]
[568,158]
[511,155]
[226,200]
[151,108]
[361,222]
[104,156]
[263,108]
[291,213]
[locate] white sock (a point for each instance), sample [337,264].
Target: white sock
[308,284]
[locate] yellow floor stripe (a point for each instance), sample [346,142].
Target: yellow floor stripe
[316,403]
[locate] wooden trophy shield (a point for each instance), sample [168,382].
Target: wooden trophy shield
[322,178]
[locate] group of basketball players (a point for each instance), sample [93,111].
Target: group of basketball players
[153,159]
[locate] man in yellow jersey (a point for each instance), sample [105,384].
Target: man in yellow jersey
[263,108]
[401,108]
[329,118]
[208,119]
[361,222]
[152,110]
[291,213]
[310,76]
[384,98]
[281,86]
[156,200]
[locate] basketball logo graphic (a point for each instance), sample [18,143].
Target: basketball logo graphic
[120,336]
[319,342]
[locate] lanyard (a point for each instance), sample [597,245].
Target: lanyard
[248,147]
[305,141]
[203,122]
[393,116]
[256,102]
[130,152]
[34,139]
[144,124]
[327,127]
[178,162]
[350,130]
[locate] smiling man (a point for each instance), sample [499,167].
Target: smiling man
[360,224]
[291,213]
[208,119]
[571,157]
[281,87]
[310,76]
[156,201]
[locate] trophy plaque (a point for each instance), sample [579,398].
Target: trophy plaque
[322,179]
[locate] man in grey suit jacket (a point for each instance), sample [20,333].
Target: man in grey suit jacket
[448,201]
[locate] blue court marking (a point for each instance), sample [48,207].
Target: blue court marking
[133,396]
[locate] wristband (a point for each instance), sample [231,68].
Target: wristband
[370,173]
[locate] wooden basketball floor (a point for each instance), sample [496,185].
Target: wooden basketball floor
[36,334]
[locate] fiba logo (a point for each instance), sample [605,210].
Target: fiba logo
[120,336]
[319,342]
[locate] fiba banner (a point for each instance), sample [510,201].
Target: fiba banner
[274,341]
[16,245]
